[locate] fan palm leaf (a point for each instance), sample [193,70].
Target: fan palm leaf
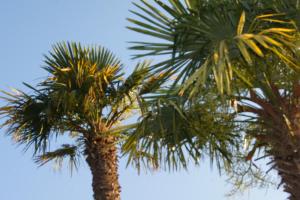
[212,38]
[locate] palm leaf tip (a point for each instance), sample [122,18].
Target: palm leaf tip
[58,155]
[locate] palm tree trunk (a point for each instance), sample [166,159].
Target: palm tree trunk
[286,159]
[288,167]
[283,136]
[102,159]
[286,150]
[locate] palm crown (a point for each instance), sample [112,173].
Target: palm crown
[245,52]
[218,38]
[84,93]
[83,96]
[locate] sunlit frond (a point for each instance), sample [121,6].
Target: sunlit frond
[207,39]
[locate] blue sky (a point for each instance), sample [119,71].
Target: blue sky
[28,29]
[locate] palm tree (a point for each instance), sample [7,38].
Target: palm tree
[84,97]
[248,51]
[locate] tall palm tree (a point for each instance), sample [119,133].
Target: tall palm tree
[84,97]
[248,51]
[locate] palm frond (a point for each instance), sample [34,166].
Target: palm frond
[215,36]
[31,119]
[174,131]
[126,94]
[59,155]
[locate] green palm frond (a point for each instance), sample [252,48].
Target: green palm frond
[207,39]
[84,75]
[174,131]
[127,94]
[59,155]
[136,78]
[32,119]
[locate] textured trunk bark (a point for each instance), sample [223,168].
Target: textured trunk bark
[287,163]
[288,169]
[282,117]
[102,159]
[287,150]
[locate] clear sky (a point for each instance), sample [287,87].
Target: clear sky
[27,31]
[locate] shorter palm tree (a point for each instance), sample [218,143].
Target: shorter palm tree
[84,97]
